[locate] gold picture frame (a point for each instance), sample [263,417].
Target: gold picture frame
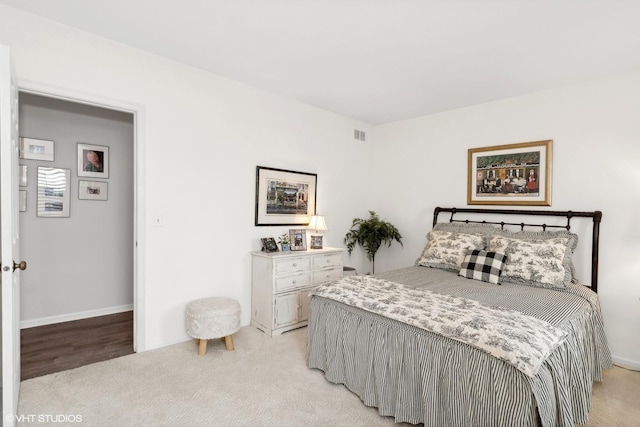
[512,174]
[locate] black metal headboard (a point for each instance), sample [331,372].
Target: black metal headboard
[596,215]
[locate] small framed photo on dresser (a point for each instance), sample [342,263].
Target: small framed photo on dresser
[269,244]
[298,239]
[316,242]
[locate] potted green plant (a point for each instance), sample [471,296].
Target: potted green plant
[284,241]
[371,233]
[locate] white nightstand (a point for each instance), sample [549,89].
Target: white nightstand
[281,282]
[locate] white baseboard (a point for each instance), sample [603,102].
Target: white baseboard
[24,324]
[160,344]
[175,340]
[626,363]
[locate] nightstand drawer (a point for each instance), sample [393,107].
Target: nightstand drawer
[328,260]
[292,281]
[326,274]
[295,264]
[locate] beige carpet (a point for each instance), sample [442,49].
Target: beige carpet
[264,382]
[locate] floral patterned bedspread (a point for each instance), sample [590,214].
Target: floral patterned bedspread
[523,341]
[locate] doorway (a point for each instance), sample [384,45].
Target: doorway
[67,345]
[80,246]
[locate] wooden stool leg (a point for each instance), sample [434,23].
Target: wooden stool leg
[228,341]
[202,347]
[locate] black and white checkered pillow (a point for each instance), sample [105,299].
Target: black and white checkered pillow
[483,265]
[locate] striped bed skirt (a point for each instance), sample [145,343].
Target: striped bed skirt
[417,376]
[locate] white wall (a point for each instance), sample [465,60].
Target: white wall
[205,135]
[596,132]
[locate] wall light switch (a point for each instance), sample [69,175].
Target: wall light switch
[157,221]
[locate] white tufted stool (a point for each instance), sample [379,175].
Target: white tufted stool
[210,318]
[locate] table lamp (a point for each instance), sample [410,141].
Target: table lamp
[317,223]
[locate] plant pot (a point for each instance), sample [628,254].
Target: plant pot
[286,247]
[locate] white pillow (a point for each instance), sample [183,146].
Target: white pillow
[534,262]
[446,250]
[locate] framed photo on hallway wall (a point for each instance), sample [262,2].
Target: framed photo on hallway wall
[93,160]
[513,174]
[53,192]
[36,149]
[92,190]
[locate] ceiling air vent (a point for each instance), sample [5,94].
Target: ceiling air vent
[359,135]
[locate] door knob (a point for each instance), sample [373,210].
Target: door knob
[22,265]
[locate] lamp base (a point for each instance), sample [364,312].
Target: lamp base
[316,242]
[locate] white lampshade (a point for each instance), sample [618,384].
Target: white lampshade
[317,223]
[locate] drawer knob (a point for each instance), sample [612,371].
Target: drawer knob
[294,282]
[295,264]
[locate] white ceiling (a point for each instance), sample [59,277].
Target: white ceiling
[378,61]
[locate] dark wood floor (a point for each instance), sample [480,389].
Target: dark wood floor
[61,346]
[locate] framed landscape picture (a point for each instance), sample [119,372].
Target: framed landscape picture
[284,197]
[513,174]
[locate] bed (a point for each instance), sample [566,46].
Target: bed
[490,327]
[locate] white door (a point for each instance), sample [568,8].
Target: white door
[9,246]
